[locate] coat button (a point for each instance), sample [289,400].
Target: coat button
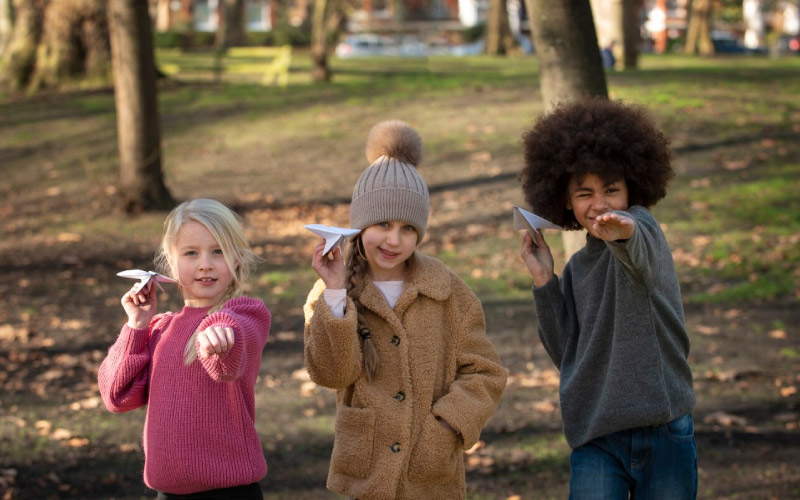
[400,396]
[396,448]
[395,340]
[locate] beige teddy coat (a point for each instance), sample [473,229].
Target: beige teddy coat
[435,361]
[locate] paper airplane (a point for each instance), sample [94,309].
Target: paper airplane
[526,220]
[145,277]
[333,235]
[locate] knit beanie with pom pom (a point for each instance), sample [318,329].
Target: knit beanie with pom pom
[391,189]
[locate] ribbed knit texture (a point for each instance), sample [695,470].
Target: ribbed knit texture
[614,326]
[390,190]
[199,430]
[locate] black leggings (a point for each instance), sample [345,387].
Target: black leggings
[244,492]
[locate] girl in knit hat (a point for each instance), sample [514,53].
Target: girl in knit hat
[401,338]
[195,370]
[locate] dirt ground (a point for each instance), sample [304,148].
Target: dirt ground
[746,415]
[59,312]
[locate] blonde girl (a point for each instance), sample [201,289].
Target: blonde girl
[401,338]
[195,369]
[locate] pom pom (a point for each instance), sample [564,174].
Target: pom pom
[394,139]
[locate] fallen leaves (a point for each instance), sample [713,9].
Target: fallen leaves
[724,419]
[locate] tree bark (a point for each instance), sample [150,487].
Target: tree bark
[230,32]
[698,33]
[567,50]
[625,32]
[320,72]
[6,22]
[19,60]
[499,40]
[139,135]
[569,63]
[54,41]
[74,44]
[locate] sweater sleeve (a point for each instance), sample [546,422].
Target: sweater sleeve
[557,322]
[250,320]
[332,348]
[481,378]
[123,377]
[639,254]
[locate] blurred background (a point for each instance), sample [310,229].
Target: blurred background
[113,111]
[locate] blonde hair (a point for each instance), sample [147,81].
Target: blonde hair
[227,229]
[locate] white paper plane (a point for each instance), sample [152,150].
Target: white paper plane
[526,220]
[333,235]
[145,277]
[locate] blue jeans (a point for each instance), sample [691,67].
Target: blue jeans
[644,463]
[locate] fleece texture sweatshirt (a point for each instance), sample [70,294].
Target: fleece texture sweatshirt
[614,326]
[435,361]
[199,432]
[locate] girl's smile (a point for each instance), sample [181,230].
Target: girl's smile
[202,271]
[591,196]
[387,246]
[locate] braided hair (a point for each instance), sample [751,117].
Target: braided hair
[356,270]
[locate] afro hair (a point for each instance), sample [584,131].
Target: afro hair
[599,136]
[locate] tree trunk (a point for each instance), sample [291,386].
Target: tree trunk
[698,33]
[569,63]
[139,135]
[6,22]
[566,46]
[320,72]
[498,35]
[230,32]
[625,32]
[74,44]
[19,61]
[54,41]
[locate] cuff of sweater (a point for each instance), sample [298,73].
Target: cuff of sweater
[136,338]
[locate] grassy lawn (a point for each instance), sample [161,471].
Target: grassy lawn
[289,156]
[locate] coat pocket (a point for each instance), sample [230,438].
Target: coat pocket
[352,444]
[437,454]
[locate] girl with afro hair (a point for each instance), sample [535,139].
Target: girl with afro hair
[613,323]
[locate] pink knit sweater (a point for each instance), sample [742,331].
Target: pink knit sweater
[199,433]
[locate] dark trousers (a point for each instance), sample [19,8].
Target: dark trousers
[244,492]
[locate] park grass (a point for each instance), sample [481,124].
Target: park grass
[288,156]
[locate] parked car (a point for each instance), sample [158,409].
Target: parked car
[729,44]
[364,45]
[372,45]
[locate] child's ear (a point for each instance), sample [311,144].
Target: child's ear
[569,204]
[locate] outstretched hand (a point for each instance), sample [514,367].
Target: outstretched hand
[330,269]
[612,227]
[537,257]
[214,340]
[140,306]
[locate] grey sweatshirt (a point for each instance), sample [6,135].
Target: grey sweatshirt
[614,326]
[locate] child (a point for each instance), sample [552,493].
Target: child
[401,338]
[613,324]
[195,369]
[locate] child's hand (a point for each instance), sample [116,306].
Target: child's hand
[330,269]
[612,227]
[141,306]
[214,340]
[447,426]
[537,257]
